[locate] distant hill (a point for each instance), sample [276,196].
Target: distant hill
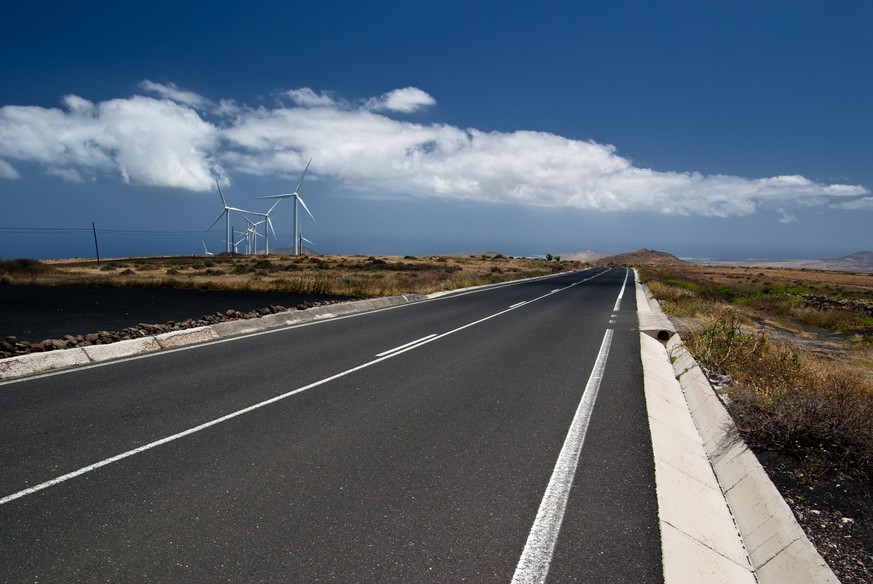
[583,256]
[642,257]
[861,261]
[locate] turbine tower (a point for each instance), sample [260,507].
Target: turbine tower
[297,199]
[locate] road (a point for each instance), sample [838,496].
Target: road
[487,436]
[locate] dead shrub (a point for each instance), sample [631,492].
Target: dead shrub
[822,414]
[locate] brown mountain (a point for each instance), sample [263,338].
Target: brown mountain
[861,261]
[642,257]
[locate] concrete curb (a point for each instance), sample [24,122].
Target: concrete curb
[722,519]
[34,363]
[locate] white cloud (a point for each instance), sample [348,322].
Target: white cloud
[165,142]
[173,93]
[306,97]
[785,217]
[145,140]
[862,203]
[406,100]
[8,171]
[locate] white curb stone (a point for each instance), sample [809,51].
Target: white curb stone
[36,362]
[121,349]
[199,334]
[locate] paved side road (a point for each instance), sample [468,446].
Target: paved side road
[36,313]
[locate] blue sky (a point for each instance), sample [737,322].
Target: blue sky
[704,128]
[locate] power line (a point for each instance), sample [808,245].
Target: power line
[161,232]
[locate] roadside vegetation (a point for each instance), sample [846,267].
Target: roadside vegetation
[356,276]
[794,358]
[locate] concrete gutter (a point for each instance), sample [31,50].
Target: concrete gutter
[722,519]
[35,363]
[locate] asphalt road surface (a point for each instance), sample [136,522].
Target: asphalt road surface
[478,437]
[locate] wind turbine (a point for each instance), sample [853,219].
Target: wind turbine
[247,236]
[205,251]
[226,213]
[268,227]
[301,239]
[252,231]
[297,199]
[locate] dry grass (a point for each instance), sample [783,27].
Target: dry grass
[783,398]
[818,406]
[356,276]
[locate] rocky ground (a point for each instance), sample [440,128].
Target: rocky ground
[834,510]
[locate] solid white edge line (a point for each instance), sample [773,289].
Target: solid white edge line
[516,305]
[621,294]
[536,559]
[150,445]
[409,344]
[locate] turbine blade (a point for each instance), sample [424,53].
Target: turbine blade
[270,225]
[220,194]
[216,220]
[305,207]
[274,206]
[282,196]
[300,181]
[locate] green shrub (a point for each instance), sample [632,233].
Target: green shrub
[721,345]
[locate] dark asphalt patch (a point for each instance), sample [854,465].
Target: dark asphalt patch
[35,313]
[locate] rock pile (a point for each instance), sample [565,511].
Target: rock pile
[825,303]
[12,346]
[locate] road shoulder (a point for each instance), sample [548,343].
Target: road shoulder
[722,520]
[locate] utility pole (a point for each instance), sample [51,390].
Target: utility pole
[96,249]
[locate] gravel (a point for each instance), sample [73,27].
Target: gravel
[834,509]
